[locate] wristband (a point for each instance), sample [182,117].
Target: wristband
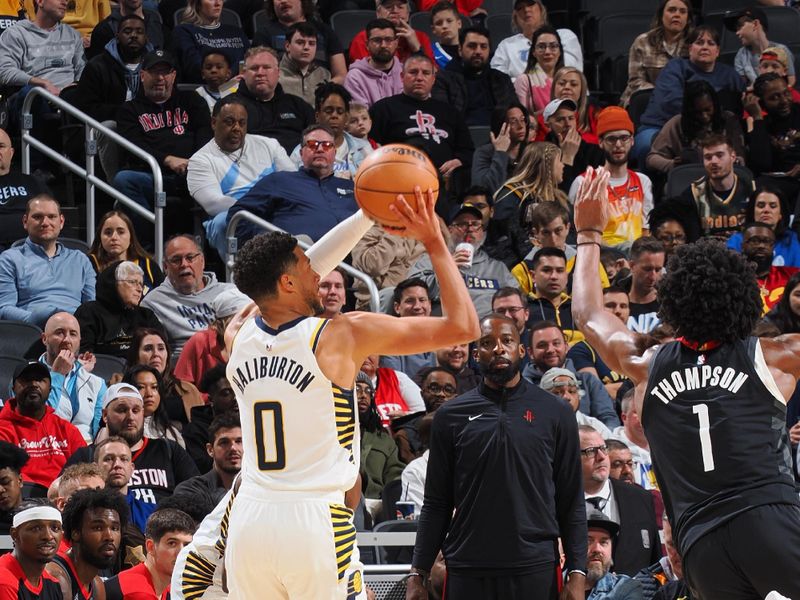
[597,231]
[422,577]
[571,571]
[589,244]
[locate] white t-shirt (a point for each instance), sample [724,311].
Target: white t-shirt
[511,55]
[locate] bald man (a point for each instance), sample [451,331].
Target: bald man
[75,394]
[41,277]
[15,190]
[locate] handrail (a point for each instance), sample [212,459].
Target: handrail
[233,248]
[92,181]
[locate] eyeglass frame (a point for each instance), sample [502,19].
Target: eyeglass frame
[177,261]
[591,451]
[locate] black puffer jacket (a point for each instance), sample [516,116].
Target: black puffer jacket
[107,325]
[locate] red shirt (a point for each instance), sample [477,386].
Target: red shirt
[358,47]
[135,583]
[14,585]
[49,442]
[465,7]
[773,284]
[200,354]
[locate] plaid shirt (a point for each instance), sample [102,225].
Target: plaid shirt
[645,62]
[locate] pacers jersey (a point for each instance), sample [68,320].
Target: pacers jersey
[716,423]
[299,430]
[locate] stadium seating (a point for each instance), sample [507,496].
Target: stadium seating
[8,362]
[349,23]
[500,27]
[107,365]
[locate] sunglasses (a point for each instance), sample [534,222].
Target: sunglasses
[314,144]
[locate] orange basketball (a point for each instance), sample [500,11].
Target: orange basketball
[390,170]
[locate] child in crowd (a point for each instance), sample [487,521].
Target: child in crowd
[216,73]
[776,60]
[360,123]
[445,25]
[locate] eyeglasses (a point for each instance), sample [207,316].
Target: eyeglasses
[618,464]
[468,226]
[383,40]
[133,282]
[509,310]
[435,388]
[544,47]
[313,145]
[177,261]
[592,451]
[613,140]
[668,237]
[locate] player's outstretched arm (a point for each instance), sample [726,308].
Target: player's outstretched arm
[615,343]
[382,334]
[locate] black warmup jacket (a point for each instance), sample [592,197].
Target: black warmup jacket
[508,461]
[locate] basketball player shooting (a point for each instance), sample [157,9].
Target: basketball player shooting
[290,534]
[713,408]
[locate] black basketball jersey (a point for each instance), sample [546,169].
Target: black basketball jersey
[717,432]
[78,591]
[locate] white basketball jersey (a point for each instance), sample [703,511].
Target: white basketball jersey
[299,430]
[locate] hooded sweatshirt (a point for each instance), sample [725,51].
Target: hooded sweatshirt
[49,442]
[27,50]
[182,315]
[367,84]
[107,325]
[106,83]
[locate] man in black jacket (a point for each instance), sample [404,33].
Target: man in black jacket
[505,457]
[108,80]
[169,124]
[271,112]
[639,544]
[470,85]
[107,29]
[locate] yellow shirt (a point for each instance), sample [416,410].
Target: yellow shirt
[84,15]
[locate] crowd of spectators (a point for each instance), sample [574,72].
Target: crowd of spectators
[274,116]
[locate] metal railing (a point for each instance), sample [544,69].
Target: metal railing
[92,181]
[233,248]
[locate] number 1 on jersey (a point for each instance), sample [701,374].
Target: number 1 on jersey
[270,444]
[701,410]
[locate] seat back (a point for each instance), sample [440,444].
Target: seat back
[500,27]
[107,365]
[390,555]
[8,362]
[349,23]
[17,337]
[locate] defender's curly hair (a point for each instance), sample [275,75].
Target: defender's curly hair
[709,293]
[261,262]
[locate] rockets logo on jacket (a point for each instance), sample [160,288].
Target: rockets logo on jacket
[425,125]
[175,119]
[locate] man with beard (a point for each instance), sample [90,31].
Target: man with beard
[601,583]
[160,464]
[714,204]
[469,84]
[28,422]
[505,444]
[630,193]
[758,245]
[36,533]
[621,460]
[225,450]
[378,75]
[93,524]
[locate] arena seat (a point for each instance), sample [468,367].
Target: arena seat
[260,20]
[349,23]
[682,176]
[500,27]
[107,365]
[17,337]
[8,362]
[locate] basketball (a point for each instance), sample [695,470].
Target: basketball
[390,170]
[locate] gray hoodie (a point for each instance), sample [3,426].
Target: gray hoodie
[27,50]
[183,315]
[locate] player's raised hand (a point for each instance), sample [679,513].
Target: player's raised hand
[591,203]
[420,223]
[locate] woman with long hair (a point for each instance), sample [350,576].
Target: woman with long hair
[569,82]
[157,423]
[151,347]
[495,161]
[785,315]
[201,30]
[651,51]
[768,205]
[115,240]
[546,57]
[536,179]
[678,142]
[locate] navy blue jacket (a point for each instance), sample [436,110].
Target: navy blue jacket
[508,462]
[298,202]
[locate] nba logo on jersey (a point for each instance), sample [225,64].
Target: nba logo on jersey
[701,360]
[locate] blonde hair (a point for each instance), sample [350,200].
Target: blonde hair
[191,14]
[583,98]
[534,175]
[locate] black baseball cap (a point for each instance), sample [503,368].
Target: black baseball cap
[467,208]
[157,57]
[753,13]
[32,371]
[597,520]
[518,3]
